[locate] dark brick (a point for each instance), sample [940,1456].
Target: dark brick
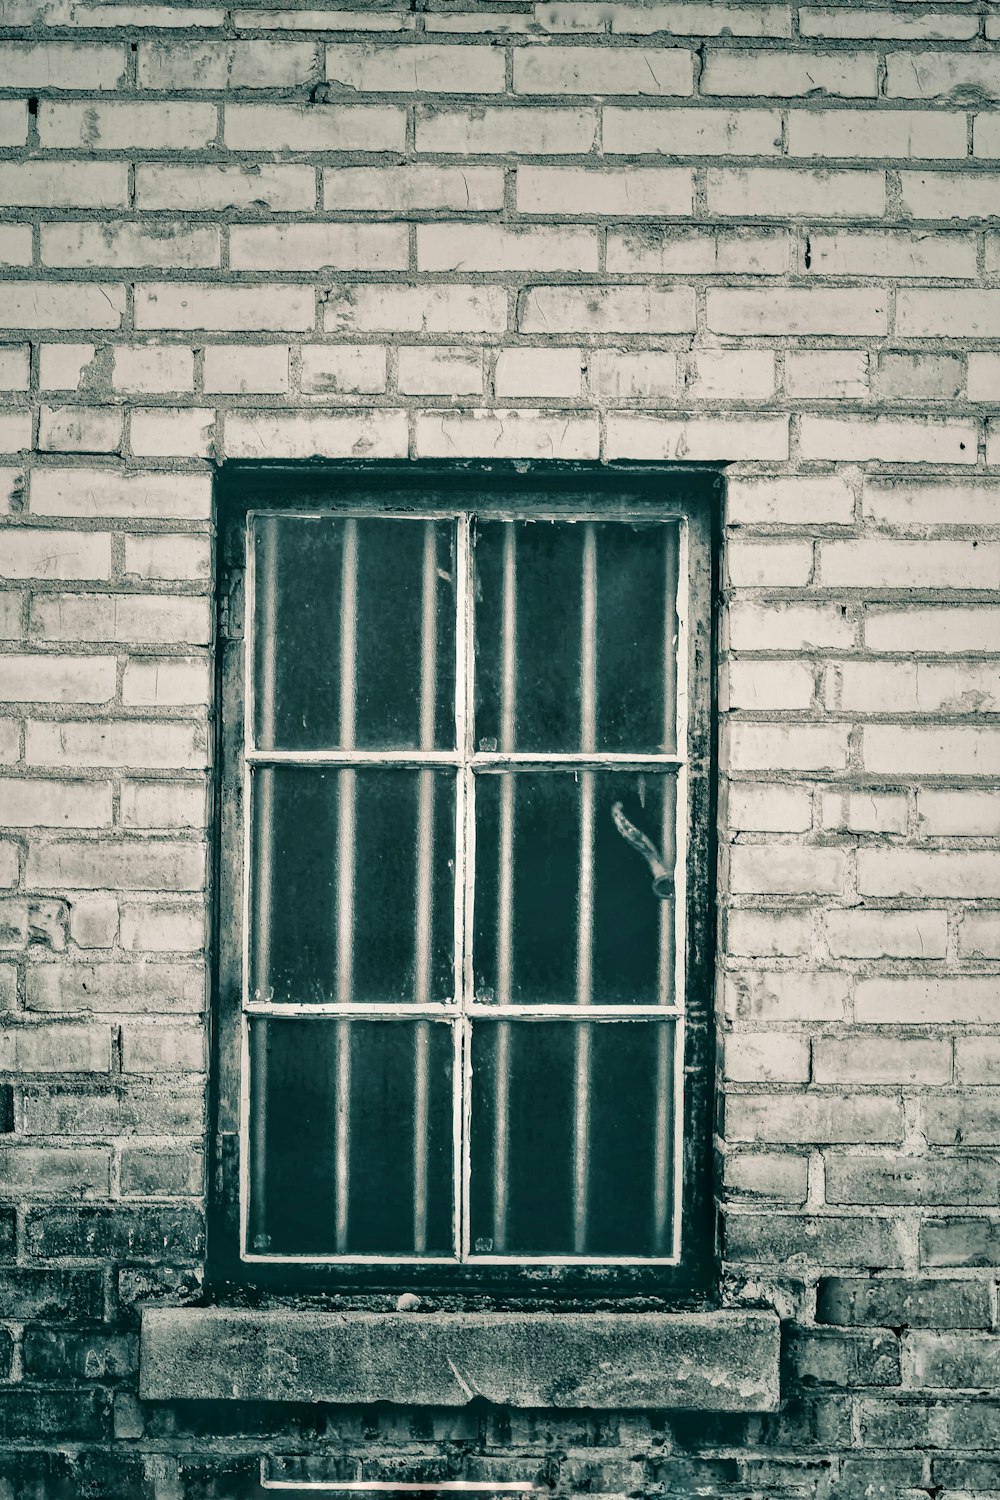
[967,1473]
[28,1293]
[50,1354]
[973,1424]
[119,1234]
[6,1352]
[220,1479]
[119,1109]
[828,1240]
[904,1424]
[960,1242]
[954,1360]
[823,1357]
[66,1416]
[143,1286]
[874,1478]
[683,1475]
[6,1108]
[903,1302]
[8,1233]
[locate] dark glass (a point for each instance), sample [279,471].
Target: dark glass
[295,888]
[293,1165]
[631,942]
[629,1137]
[299,578]
[635,572]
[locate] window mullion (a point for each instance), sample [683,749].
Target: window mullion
[464,876]
[585,899]
[425,863]
[346,853]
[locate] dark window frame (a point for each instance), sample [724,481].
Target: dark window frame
[696,492]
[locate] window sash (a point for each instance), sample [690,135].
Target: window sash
[469,764]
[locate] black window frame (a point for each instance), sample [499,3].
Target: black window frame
[696,491]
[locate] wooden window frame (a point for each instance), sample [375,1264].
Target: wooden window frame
[691,494]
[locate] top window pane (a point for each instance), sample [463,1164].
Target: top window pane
[576,636]
[354,633]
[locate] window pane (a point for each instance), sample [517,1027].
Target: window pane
[366,604]
[576,635]
[574,887]
[351,1142]
[352,884]
[572,1137]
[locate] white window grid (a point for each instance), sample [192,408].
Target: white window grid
[462,1009]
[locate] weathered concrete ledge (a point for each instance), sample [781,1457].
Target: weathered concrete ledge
[715,1361]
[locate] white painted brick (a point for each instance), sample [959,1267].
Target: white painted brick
[887,934]
[440,372]
[930,750]
[891,439]
[315,127]
[786,870]
[538,372]
[847,811]
[152,369]
[786,313]
[950,195]
[159,246]
[163,804]
[29,803]
[507,434]
[686,252]
[827,373]
[601,309]
[916,377]
[958,814]
[416,309]
[688,132]
[961,500]
[574,70]
[403,68]
[986,136]
[44,553]
[13,122]
[14,367]
[246,369]
[343,369]
[63,65]
[302,434]
[809,500]
[168,557]
[984,377]
[486,130]
[285,188]
[80,429]
[109,492]
[771,1057]
[787,192]
[697,438]
[778,997]
[61,366]
[729,375]
[119,125]
[411,189]
[930,873]
[770,685]
[166,681]
[788,627]
[878,562]
[170,65]
[172,431]
[56,679]
[687,16]
[621,191]
[93,921]
[937,628]
[979,935]
[751,564]
[849,75]
[618,375]
[497,247]
[161,619]
[768,934]
[162,928]
[947,313]
[63,305]
[317,247]
[759,807]
[892,253]
[929,75]
[786,747]
[105,743]
[53,184]
[190,305]
[849,24]
[876,133]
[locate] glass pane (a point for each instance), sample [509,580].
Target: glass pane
[572,1137]
[574,887]
[366,604]
[351,1138]
[352,884]
[576,635]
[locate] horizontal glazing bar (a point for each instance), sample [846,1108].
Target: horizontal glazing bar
[489,760]
[450,1011]
[480,1260]
[353,757]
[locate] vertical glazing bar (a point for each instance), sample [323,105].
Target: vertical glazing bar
[585,898]
[262,872]
[345,877]
[465,864]
[662,1154]
[425,868]
[505,893]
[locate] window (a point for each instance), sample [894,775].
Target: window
[464,912]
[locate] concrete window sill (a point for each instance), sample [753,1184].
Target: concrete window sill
[714,1361]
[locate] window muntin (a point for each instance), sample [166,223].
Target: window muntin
[550,767]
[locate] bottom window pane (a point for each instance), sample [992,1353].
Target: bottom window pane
[573,1138]
[350,1137]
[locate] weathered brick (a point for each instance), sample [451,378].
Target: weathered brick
[911,1180]
[416,309]
[933,440]
[827,373]
[771,684]
[56,1048]
[128,865]
[695,252]
[891,253]
[785,192]
[685,132]
[824,1357]
[440,372]
[895,1302]
[520,433]
[315,127]
[403,68]
[190,305]
[83,1171]
[116,987]
[308,247]
[151,1233]
[930,75]
[116,125]
[963,1119]
[495,247]
[760,995]
[880,1059]
[164,682]
[876,133]
[305,434]
[816,1240]
[598,309]
[67,1295]
[960,1242]
[29,803]
[622,191]
[850,75]
[99,743]
[163,1049]
[63,65]
[120,245]
[50,1354]
[949,195]
[413,188]
[930,873]
[572,70]
[494,131]
[784,869]
[697,438]
[63,305]
[170,65]
[56,679]
[129,618]
[110,492]
[286,188]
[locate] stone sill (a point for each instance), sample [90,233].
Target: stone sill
[703,1361]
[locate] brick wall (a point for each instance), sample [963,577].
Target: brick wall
[759,233]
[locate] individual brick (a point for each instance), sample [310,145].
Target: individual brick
[929,873]
[876,133]
[172,431]
[766,1057]
[63,65]
[63,305]
[129,618]
[906,1180]
[114,743]
[944,629]
[977,1060]
[83,429]
[802,500]
[984,377]
[786,627]
[404,68]
[965,813]
[51,1354]
[13,122]
[922,377]
[152,369]
[881,563]
[600,309]
[661,71]
[792,312]
[93,921]
[825,21]
[315,127]
[786,192]
[114,493]
[48,1294]
[618,375]
[960,1242]
[787,747]
[168,557]
[498,247]
[303,434]
[163,1049]
[339,369]
[760,995]
[14,368]
[865,1059]
[963,1119]
[777,1176]
[289,187]
[979,933]
[828,1240]
[827,373]
[117,125]
[450,308]
[947,313]
[495,131]
[54,184]
[687,132]
[15,245]
[771,684]
[166,681]
[413,189]
[96,864]
[949,195]
[891,252]
[163,804]
[83,1171]
[46,553]
[786,870]
[246,369]
[697,19]
[925,1002]
[829,1118]
[544,372]
[695,252]
[28,802]
[919,750]
[775,74]
[824,1357]
[764,934]
[116,988]
[173,65]
[519,433]
[318,247]
[56,679]
[60,1047]
[189,305]
[122,1234]
[886,934]
[160,247]
[929,75]
[934,440]
[620,191]
[894,1302]
[163,927]
[440,372]
[697,438]
[66,367]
